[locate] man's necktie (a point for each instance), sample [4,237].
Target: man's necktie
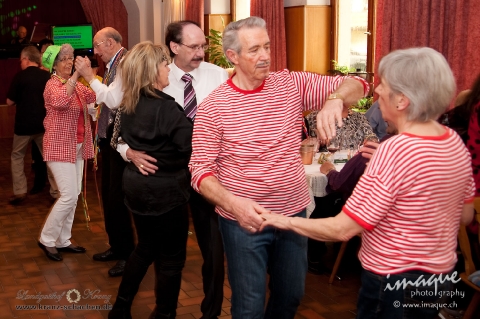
[105,117]
[189,97]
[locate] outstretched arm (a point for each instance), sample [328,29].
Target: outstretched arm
[338,228]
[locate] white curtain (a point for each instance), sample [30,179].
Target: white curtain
[173,10]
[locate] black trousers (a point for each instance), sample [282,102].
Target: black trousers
[39,167]
[205,222]
[162,240]
[118,222]
[328,206]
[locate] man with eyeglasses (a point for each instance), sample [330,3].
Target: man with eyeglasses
[26,92]
[107,45]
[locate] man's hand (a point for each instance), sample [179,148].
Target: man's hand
[246,212]
[330,114]
[82,65]
[142,161]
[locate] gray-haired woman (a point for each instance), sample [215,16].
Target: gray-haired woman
[416,190]
[66,144]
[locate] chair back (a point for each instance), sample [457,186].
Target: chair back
[466,250]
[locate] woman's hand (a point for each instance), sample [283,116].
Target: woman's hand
[275,220]
[326,167]
[143,161]
[368,149]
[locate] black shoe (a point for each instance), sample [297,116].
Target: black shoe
[17,199]
[121,309]
[52,256]
[36,190]
[316,268]
[118,269]
[107,255]
[72,249]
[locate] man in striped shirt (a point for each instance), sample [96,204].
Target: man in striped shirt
[246,161]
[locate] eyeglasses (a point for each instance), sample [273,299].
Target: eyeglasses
[203,47]
[66,59]
[98,44]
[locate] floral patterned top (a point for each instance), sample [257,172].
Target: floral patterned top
[354,130]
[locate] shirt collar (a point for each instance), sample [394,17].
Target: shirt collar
[113,59]
[178,73]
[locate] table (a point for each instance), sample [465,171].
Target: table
[317,182]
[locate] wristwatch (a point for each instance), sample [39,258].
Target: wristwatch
[335,96]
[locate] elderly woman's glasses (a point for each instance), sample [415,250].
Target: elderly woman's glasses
[196,47]
[66,58]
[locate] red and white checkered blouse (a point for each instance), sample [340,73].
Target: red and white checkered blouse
[60,139]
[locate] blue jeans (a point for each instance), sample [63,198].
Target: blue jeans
[375,300]
[250,256]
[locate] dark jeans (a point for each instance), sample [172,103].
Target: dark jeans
[209,239]
[377,301]
[118,223]
[162,240]
[250,256]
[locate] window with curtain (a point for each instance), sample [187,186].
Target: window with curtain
[353,34]
[173,10]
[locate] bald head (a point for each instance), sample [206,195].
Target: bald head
[22,32]
[106,43]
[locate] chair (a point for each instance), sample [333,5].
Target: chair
[469,265]
[343,247]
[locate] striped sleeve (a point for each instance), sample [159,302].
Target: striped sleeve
[315,88]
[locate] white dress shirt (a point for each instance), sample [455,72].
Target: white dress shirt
[206,78]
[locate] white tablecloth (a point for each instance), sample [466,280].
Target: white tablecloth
[317,182]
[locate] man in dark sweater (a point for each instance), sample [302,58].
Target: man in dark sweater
[26,92]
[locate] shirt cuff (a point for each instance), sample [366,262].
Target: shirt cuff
[122,149]
[357,219]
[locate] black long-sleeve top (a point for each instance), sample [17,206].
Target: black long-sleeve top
[160,128]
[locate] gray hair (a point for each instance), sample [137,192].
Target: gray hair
[424,76]
[230,34]
[65,49]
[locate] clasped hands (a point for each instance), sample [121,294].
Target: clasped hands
[253,217]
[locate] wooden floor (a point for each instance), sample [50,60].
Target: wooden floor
[27,275]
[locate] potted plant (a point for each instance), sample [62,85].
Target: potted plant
[215,50]
[363,104]
[340,69]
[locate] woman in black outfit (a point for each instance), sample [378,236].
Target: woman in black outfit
[151,121]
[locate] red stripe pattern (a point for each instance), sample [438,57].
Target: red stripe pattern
[249,140]
[410,201]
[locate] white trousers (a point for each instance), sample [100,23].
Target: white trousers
[57,229]
[19,148]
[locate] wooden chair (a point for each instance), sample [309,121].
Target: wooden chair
[341,252]
[469,265]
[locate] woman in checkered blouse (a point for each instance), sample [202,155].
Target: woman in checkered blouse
[67,144]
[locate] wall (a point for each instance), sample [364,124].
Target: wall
[308,35]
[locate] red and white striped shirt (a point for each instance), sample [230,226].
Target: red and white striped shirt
[410,201]
[61,122]
[249,140]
